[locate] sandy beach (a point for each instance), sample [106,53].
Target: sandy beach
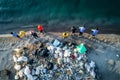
[104,50]
[36,41]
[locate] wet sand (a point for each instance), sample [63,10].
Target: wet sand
[60,26]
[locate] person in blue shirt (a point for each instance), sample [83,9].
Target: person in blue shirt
[81,30]
[95,32]
[15,34]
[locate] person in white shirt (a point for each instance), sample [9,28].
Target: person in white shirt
[81,30]
[95,32]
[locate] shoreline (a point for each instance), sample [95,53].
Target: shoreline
[112,38]
[60,26]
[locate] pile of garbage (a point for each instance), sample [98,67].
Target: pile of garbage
[55,60]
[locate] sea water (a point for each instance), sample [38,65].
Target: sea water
[27,11]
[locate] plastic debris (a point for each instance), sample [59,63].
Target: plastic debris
[14,58]
[55,60]
[22,58]
[92,64]
[56,43]
[27,71]
[17,67]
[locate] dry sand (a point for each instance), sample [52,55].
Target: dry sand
[104,50]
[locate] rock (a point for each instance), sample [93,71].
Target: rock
[117,56]
[69,72]
[105,40]
[111,62]
[12,44]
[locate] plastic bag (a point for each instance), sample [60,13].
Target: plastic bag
[22,58]
[87,67]
[30,77]
[55,55]
[27,70]
[14,58]
[37,70]
[66,53]
[56,43]
[17,67]
[16,77]
[92,64]
[92,73]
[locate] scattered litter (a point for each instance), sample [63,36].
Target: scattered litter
[54,60]
[117,55]
[111,62]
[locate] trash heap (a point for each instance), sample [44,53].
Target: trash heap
[55,60]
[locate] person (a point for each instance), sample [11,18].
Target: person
[34,34]
[40,28]
[65,34]
[73,30]
[82,30]
[95,32]
[22,34]
[15,34]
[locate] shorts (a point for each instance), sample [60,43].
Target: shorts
[80,33]
[41,31]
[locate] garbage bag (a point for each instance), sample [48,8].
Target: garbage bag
[92,64]
[30,77]
[16,77]
[60,54]
[81,48]
[50,66]
[56,43]
[31,61]
[37,70]
[55,55]
[55,67]
[67,53]
[44,52]
[92,73]
[27,71]
[17,67]
[87,67]
[22,58]
[44,70]
[14,58]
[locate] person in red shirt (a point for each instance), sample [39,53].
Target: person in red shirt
[40,28]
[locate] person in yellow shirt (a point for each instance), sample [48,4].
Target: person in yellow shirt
[22,34]
[65,34]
